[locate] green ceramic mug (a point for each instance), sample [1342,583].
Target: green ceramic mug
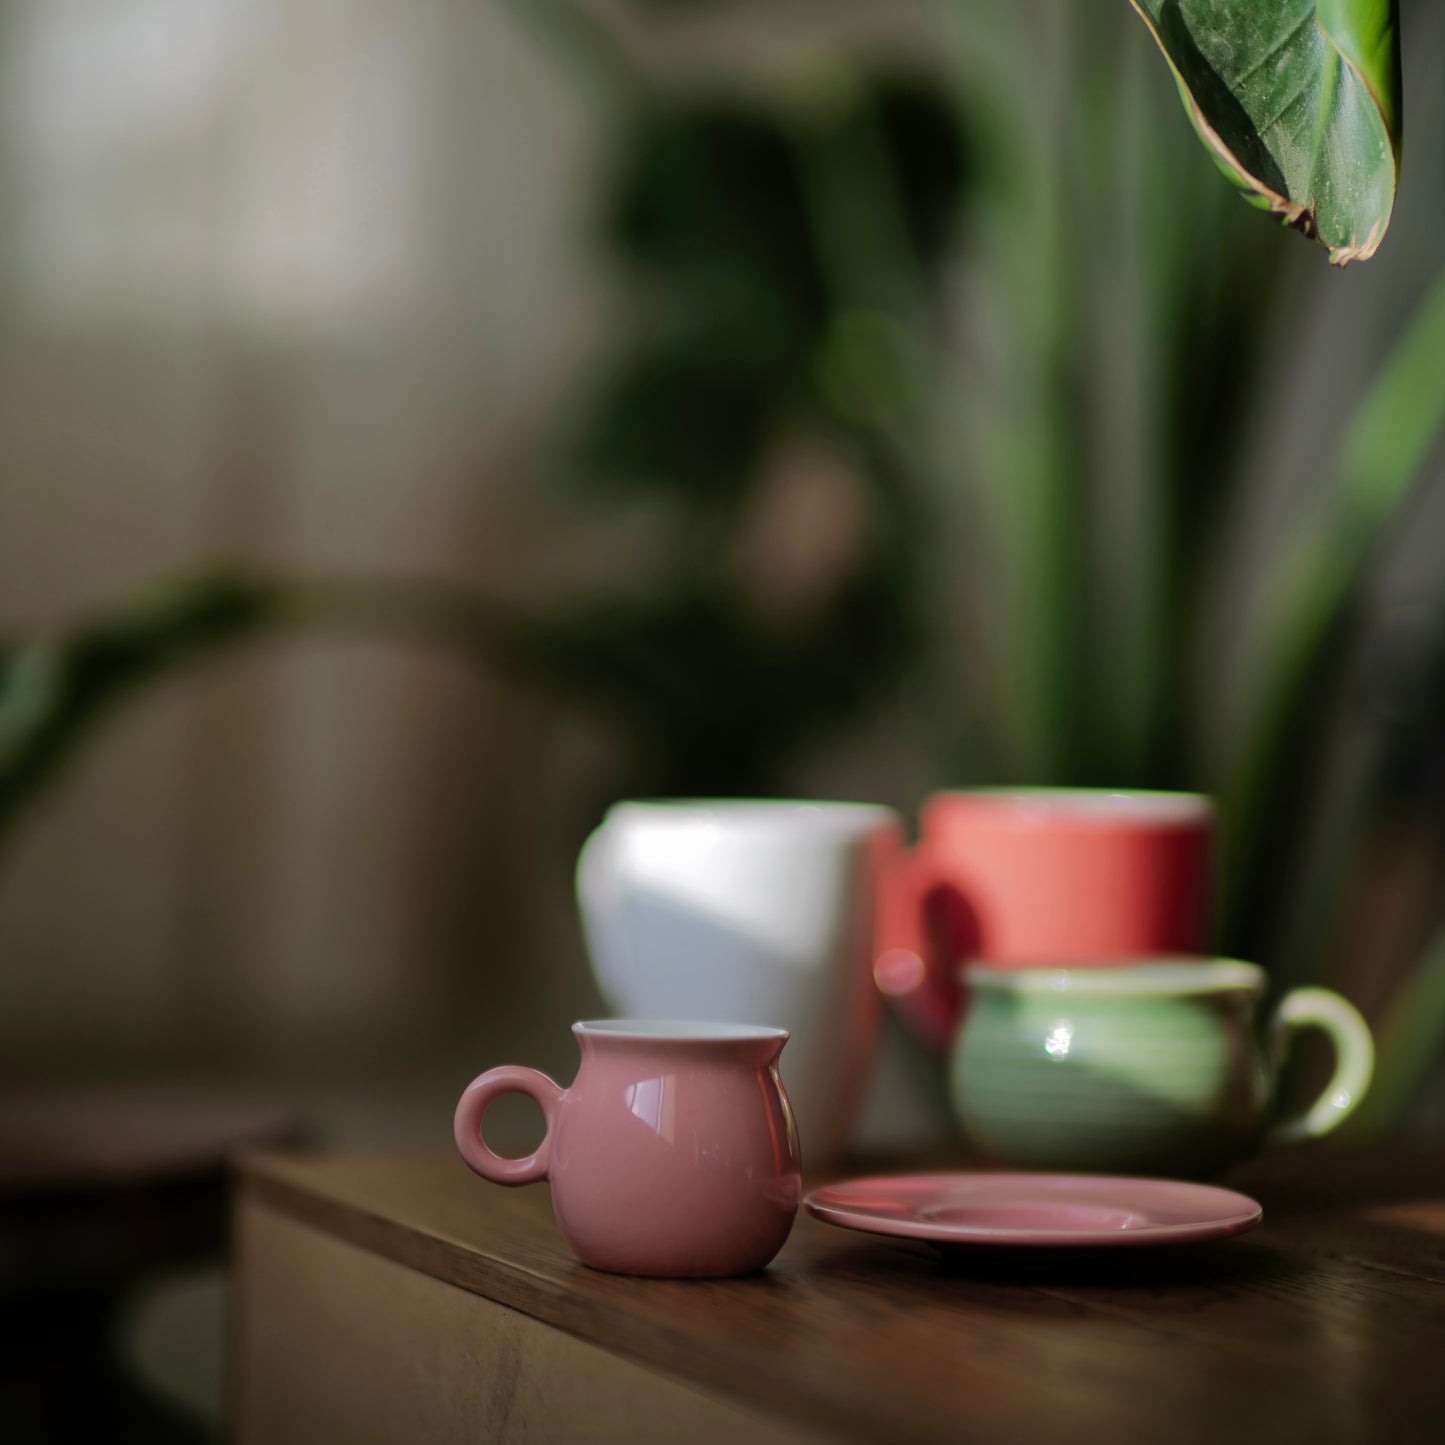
[1162,1067]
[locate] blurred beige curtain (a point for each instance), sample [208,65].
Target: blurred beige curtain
[281,280]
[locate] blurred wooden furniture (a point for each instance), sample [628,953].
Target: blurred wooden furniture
[100,1191]
[397,1298]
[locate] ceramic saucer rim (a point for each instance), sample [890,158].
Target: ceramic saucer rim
[856,1217]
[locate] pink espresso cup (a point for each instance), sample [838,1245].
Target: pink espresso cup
[674,1152]
[1034,877]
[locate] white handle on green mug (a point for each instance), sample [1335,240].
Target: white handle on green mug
[1354,1059]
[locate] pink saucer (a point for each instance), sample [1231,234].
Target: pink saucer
[1054,1211]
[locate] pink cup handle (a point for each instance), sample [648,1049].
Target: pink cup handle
[472,1107]
[906,966]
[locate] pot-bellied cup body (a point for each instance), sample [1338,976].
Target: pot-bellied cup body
[674,1151]
[1160,1068]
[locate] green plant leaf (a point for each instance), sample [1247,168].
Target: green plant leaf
[1298,102]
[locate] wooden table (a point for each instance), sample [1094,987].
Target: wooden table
[398,1298]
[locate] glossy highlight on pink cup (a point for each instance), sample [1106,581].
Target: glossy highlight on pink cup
[673,1152]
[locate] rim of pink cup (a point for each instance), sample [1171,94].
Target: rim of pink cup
[677,1031]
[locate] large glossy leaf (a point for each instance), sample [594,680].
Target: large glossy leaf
[1298,101]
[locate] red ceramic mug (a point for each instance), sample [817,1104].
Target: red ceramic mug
[1035,877]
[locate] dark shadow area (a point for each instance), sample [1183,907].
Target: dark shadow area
[1399,1173]
[99,1196]
[951,930]
[1137,1270]
[60,1380]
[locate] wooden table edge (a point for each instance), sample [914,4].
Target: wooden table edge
[261,1177]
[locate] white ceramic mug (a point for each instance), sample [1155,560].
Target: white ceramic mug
[756,912]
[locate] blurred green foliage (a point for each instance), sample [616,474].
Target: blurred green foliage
[762,308]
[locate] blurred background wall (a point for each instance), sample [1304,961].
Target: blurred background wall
[288,282]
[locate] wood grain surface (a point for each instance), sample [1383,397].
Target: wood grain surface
[334,1345]
[1325,1324]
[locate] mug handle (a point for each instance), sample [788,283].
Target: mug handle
[1323,1009]
[472,1107]
[906,967]
[597,895]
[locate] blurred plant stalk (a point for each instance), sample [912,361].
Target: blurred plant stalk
[56,692]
